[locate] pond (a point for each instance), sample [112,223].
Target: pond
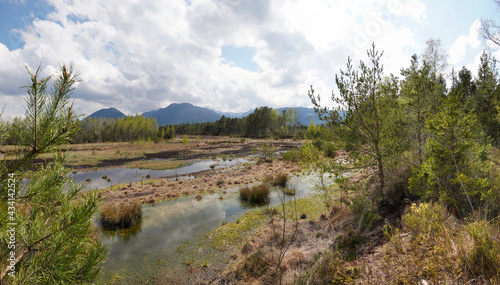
[139,254]
[94,179]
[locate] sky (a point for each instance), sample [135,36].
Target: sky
[227,55]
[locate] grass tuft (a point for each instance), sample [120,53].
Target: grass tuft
[257,194]
[280,179]
[120,216]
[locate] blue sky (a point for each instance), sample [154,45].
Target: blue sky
[225,55]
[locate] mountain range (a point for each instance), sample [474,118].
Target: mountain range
[179,113]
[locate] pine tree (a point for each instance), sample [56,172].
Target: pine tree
[421,91]
[358,113]
[456,169]
[485,101]
[55,241]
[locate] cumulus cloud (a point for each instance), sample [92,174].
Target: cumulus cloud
[457,51]
[139,57]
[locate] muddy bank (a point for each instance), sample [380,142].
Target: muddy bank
[211,181]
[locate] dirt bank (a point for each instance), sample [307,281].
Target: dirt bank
[203,183]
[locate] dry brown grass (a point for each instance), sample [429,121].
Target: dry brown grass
[119,216]
[280,179]
[437,248]
[257,194]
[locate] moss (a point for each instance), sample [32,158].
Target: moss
[231,234]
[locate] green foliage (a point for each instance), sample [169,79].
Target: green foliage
[312,132]
[455,169]
[358,116]
[185,139]
[485,101]
[426,219]
[320,168]
[130,128]
[440,248]
[259,122]
[55,241]
[484,255]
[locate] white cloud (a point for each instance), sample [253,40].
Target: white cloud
[139,57]
[457,51]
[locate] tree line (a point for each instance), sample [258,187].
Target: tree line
[422,138]
[263,122]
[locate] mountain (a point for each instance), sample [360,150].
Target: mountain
[107,113]
[236,115]
[182,113]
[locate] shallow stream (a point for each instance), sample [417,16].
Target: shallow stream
[94,179]
[151,249]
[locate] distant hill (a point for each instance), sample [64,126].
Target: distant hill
[179,113]
[107,113]
[182,113]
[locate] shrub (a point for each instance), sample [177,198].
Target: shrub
[185,139]
[119,216]
[329,149]
[256,265]
[442,248]
[328,269]
[426,219]
[483,258]
[370,220]
[257,194]
[349,244]
[291,155]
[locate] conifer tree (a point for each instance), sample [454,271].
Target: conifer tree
[455,169]
[485,102]
[358,113]
[54,241]
[421,91]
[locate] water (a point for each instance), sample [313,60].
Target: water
[128,175]
[167,225]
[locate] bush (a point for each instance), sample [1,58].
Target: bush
[185,139]
[291,155]
[370,220]
[256,265]
[426,219]
[257,194]
[329,149]
[442,248]
[119,216]
[483,258]
[349,244]
[329,269]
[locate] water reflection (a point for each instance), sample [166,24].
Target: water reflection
[94,179]
[167,224]
[123,234]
